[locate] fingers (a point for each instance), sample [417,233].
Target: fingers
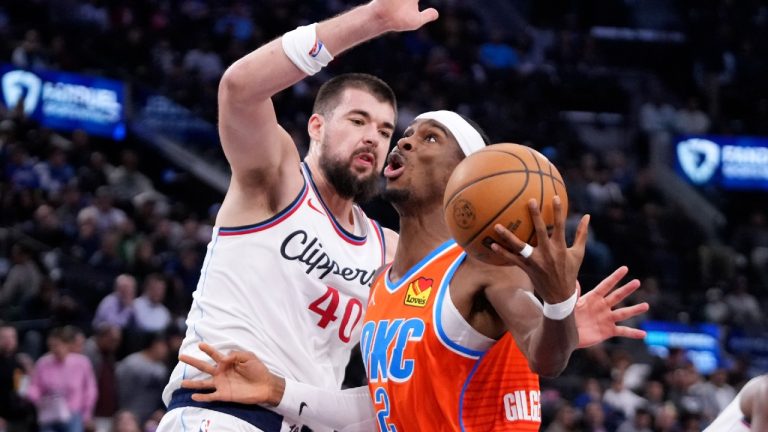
[507,255]
[558,232]
[198,384]
[198,364]
[629,332]
[538,222]
[208,397]
[580,242]
[618,295]
[629,311]
[428,15]
[211,351]
[610,282]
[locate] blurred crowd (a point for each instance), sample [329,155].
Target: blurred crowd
[101,246]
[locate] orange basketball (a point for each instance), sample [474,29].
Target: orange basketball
[494,186]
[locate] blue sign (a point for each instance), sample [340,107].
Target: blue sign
[751,344]
[700,342]
[732,162]
[66,101]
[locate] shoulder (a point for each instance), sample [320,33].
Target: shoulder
[754,396]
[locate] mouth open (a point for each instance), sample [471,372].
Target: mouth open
[364,158]
[395,166]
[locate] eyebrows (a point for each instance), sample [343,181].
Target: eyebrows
[367,116]
[429,124]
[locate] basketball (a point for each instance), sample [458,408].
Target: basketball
[494,186]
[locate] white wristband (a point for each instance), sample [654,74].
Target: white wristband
[561,310]
[305,49]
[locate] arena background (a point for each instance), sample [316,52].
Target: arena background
[655,111]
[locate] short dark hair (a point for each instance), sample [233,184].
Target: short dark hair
[329,93]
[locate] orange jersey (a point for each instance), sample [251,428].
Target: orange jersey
[429,370]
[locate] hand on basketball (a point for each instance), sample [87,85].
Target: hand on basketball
[236,377]
[595,317]
[553,266]
[402,15]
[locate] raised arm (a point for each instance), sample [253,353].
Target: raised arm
[549,335]
[252,139]
[241,377]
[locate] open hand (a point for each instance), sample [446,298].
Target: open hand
[595,317]
[552,266]
[236,377]
[402,15]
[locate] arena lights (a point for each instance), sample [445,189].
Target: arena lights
[66,101]
[730,162]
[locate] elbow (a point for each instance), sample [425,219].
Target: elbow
[548,369]
[232,82]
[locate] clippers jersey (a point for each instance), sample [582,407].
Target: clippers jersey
[291,289]
[429,370]
[731,419]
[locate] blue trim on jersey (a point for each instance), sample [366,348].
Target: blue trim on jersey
[464,389]
[393,286]
[272,221]
[383,241]
[348,236]
[438,307]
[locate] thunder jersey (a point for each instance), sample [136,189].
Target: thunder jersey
[430,370]
[731,419]
[291,289]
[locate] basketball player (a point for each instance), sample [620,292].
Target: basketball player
[747,412]
[291,259]
[449,343]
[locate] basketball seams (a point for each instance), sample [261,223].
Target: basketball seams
[503,208]
[473,181]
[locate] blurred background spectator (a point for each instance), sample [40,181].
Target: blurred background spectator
[602,88]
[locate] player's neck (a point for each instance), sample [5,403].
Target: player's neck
[341,207]
[420,234]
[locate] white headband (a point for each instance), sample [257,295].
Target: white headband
[466,135]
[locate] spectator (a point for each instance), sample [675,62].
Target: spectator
[55,172]
[204,61]
[149,311]
[127,181]
[116,309]
[29,54]
[14,410]
[22,282]
[642,422]
[102,211]
[125,421]
[63,386]
[566,419]
[141,377]
[101,349]
[691,120]
[743,303]
[621,398]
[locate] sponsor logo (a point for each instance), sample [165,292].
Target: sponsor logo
[418,292]
[463,213]
[699,159]
[17,84]
[205,425]
[312,206]
[301,407]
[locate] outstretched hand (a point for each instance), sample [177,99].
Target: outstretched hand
[553,266]
[236,377]
[595,317]
[402,15]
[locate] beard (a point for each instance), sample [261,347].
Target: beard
[396,196]
[340,175]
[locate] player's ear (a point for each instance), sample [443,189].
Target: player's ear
[315,127]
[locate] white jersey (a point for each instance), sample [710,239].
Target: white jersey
[731,419]
[291,289]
